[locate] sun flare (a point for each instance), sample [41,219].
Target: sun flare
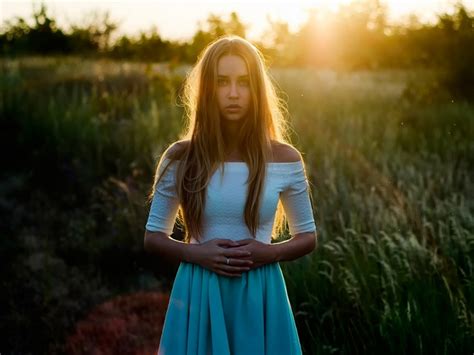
[296,13]
[163,13]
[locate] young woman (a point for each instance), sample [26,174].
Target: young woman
[233,181]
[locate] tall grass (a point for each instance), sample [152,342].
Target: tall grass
[391,174]
[392,190]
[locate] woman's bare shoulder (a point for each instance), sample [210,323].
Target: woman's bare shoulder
[282,152]
[285,153]
[176,149]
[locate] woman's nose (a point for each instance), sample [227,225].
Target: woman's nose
[233,91]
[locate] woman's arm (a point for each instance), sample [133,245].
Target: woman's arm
[210,255]
[296,202]
[294,248]
[160,243]
[291,249]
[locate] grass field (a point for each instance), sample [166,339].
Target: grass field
[390,162]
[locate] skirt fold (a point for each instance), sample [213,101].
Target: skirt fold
[211,314]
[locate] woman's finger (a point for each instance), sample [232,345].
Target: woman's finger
[237,262]
[243,241]
[225,242]
[230,268]
[236,253]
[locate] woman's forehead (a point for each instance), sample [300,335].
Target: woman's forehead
[231,65]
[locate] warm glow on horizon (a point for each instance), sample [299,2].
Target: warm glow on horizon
[141,15]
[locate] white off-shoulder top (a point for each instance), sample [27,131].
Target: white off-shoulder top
[225,202]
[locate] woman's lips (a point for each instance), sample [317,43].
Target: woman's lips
[233,108]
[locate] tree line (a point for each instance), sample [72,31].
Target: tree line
[358,36]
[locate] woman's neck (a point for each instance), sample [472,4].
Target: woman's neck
[231,133]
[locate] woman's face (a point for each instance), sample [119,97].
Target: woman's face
[233,87]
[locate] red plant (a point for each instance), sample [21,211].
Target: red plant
[128,324]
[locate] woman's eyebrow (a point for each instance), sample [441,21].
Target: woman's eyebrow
[226,76]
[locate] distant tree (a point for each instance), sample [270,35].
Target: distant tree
[314,44]
[277,42]
[357,36]
[211,30]
[235,26]
[123,48]
[360,26]
[457,74]
[151,46]
[94,31]
[44,37]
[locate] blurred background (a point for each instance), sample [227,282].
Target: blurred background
[380,96]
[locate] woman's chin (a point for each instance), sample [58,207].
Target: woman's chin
[232,118]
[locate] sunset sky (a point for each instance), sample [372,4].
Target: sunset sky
[178,19]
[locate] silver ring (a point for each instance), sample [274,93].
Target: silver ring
[227,261]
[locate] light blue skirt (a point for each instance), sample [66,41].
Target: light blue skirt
[212,314]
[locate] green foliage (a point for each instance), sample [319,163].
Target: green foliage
[391,186]
[392,190]
[356,37]
[43,37]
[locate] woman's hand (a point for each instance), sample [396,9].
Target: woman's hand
[261,253]
[213,255]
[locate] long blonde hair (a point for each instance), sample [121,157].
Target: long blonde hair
[206,151]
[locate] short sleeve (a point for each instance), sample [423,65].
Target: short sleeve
[296,200]
[165,202]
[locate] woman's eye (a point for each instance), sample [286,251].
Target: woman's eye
[222,81]
[244,82]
